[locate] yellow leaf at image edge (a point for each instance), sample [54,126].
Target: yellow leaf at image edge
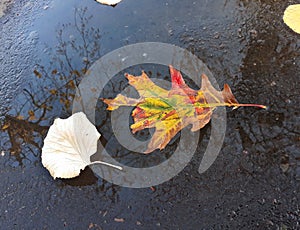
[291,17]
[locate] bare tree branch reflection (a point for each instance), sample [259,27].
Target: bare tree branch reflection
[51,94]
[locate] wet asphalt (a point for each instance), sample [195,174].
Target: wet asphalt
[255,181]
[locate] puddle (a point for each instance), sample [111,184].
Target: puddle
[47,48]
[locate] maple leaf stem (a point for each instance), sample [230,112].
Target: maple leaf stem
[213,105]
[249,105]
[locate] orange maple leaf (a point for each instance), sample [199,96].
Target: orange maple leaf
[169,111]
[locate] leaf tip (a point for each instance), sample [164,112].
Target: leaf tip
[264,107]
[203,76]
[147,152]
[109,103]
[128,76]
[259,106]
[171,68]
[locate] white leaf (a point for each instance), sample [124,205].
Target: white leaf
[69,145]
[109,2]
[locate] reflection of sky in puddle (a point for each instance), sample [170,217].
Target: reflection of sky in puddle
[43,98]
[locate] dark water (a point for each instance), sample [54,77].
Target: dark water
[255,181]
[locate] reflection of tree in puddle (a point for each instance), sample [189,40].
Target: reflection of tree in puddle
[52,93]
[20,132]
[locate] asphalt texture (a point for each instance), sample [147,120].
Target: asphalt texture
[254,182]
